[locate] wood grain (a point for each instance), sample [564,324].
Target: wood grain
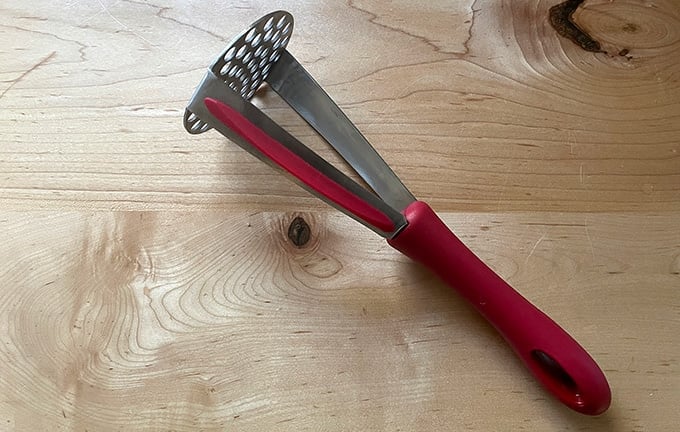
[215,320]
[489,97]
[148,281]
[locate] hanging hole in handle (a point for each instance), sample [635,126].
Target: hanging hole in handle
[555,370]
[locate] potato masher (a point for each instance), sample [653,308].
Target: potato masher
[221,101]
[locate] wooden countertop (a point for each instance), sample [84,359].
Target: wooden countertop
[148,282]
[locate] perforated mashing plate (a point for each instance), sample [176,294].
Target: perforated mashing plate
[247,61]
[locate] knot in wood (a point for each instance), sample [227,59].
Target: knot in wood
[299,232]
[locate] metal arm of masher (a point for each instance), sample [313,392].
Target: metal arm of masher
[297,87]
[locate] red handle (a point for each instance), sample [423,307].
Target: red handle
[554,357]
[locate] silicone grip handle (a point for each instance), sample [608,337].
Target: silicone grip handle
[555,358]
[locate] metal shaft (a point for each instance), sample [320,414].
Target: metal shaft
[297,87]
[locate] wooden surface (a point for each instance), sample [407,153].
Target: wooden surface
[147,279]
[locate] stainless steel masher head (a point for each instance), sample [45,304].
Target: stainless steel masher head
[248,60]
[259,54]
